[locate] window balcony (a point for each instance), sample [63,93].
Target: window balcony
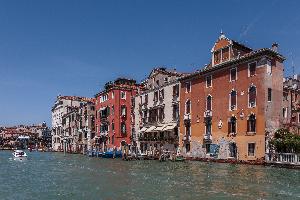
[250,133]
[187,117]
[207,138]
[186,138]
[207,113]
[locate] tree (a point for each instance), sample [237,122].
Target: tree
[285,141]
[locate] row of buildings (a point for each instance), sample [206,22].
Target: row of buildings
[22,136]
[228,109]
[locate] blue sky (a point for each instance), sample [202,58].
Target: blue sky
[73,47]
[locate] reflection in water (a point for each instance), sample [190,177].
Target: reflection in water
[53,176]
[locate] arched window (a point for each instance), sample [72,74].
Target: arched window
[251,124]
[208,102]
[252,96]
[208,124]
[233,100]
[232,125]
[188,107]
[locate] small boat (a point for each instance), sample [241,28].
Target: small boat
[179,158]
[112,154]
[19,155]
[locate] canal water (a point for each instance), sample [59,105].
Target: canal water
[55,176]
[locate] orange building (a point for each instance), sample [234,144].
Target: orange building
[230,108]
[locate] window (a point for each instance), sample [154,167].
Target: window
[103,98]
[298,117]
[161,94]
[104,128]
[188,107]
[161,114]
[217,56]
[187,147]
[208,124]
[141,99]
[146,98]
[252,96]
[208,81]
[233,100]
[188,130]
[145,115]
[269,94]
[225,54]
[208,102]
[123,110]
[252,69]
[123,127]
[123,95]
[207,147]
[251,149]
[269,67]
[285,96]
[112,110]
[188,87]
[155,98]
[166,79]
[176,90]
[113,126]
[112,139]
[157,83]
[112,95]
[284,112]
[232,125]
[233,74]
[175,112]
[251,124]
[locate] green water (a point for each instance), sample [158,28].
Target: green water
[53,176]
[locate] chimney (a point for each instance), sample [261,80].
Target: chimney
[275,46]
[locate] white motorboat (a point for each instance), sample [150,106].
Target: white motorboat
[19,155]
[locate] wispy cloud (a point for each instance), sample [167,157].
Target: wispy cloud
[254,21]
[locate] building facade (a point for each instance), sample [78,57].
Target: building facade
[156,112]
[87,125]
[61,110]
[230,108]
[291,104]
[113,114]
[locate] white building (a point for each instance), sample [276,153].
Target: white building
[156,112]
[58,111]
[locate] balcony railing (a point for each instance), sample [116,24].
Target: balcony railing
[283,158]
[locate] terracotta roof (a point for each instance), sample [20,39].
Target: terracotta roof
[245,57]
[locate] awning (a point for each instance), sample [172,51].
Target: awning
[143,129]
[150,129]
[169,127]
[159,128]
[23,137]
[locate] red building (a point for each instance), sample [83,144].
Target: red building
[113,113]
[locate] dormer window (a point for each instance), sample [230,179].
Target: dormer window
[217,56]
[225,54]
